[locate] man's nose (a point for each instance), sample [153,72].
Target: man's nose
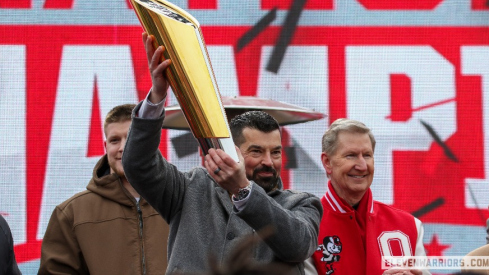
[361,164]
[267,159]
[123,143]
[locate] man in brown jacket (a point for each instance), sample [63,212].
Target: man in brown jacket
[106,229]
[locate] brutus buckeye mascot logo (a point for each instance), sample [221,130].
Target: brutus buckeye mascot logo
[331,249]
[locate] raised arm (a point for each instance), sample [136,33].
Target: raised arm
[151,175]
[156,180]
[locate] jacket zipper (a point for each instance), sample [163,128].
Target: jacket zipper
[140,217]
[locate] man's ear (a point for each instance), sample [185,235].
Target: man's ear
[105,146]
[326,161]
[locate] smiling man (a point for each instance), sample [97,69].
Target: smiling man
[258,137]
[106,229]
[211,209]
[357,231]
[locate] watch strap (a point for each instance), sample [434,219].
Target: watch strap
[243,192]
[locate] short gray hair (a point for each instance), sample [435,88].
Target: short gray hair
[330,137]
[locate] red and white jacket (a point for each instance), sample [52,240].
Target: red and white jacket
[354,241]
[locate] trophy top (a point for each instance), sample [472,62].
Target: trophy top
[169,10]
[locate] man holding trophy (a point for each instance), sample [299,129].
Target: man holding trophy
[210,210]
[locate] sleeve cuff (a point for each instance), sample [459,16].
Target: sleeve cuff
[151,110]
[241,204]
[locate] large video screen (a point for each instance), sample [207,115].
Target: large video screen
[415,72]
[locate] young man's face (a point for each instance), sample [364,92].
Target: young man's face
[262,154]
[116,134]
[351,167]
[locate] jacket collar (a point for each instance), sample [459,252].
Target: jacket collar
[109,185]
[332,201]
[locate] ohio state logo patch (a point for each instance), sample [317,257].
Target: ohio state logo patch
[331,249]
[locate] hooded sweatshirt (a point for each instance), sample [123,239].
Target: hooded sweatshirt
[104,230]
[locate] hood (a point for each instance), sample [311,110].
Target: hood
[109,185]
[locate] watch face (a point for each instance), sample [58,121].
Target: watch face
[243,193]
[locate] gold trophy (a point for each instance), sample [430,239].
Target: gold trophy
[190,74]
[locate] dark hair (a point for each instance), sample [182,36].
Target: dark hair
[120,113]
[257,120]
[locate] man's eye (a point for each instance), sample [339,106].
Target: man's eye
[255,152]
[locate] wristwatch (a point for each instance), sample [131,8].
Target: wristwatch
[243,193]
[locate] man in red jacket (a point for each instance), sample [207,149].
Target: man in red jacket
[356,231]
